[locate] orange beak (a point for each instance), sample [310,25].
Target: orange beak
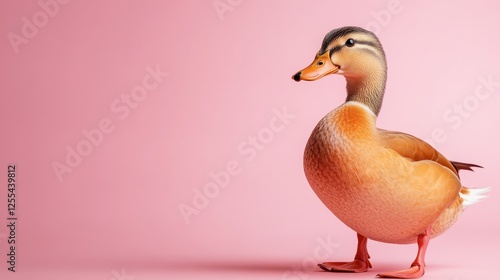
[320,67]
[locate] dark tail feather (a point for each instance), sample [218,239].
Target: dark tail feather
[466,166]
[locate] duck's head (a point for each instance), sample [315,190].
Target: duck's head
[357,54]
[350,51]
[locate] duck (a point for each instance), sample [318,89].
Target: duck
[387,186]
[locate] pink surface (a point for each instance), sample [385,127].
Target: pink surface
[164,100]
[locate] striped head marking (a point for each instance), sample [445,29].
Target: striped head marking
[349,51]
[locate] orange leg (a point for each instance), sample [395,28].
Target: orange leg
[417,268]
[360,263]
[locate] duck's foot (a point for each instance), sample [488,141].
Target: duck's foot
[354,266]
[417,268]
[413,272]
[360,263]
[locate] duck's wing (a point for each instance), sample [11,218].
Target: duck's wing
[416,149]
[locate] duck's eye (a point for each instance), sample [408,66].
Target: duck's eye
[349,42]
[320,63]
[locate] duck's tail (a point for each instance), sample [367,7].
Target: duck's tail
[472,196]
[469,196]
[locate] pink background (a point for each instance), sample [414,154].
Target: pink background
[118,210]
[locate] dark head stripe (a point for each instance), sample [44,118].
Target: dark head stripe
[339,32]
[338,48]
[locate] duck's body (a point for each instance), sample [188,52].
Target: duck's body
[369,186]
[387,186]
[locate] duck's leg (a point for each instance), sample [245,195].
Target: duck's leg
[417,268]
[360,263]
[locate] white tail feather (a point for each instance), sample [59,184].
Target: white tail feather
[472,196]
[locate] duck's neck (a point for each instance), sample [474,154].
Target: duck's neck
[368,89]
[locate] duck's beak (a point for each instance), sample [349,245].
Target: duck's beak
[320,67]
